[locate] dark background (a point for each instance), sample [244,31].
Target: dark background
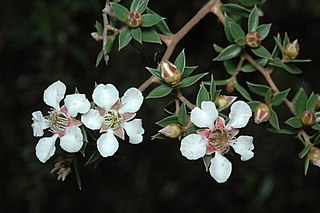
[43,41]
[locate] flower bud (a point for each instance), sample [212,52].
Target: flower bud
[291,51]
[134,19]
[308,118]
[314,156]
[224,101]
[230,87]
[172,130]
[253,39]
[262,113]
[96,36]
[170,73]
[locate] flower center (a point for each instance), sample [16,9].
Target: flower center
[113,119]
[58,121]
[219,140]
[134,19]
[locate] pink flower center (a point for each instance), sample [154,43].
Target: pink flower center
[219,140]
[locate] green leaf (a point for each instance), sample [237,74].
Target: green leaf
[188,81]
[172,119]
[188,70]
[180,61]
[282,131]
[278,42]
[274,120]
[312,102]
[221,82]
[258,89]
[227,30]
[229,66]
[107,46]
[291,68]
[300,60]
[306,164]
[247,68]
[305,150]
[253,104]
[262,52]
[278,98]
[206,161]
[136,34]
[264,30]
[276,62]
[294,122]
[217,48]
[235,9]
[203,95]
[77,171]
[99,58]
[158,136]
[286,40]
[150,35]
[229,52]
[182,115]
[124,37]
[300,102]
[267,97]
[149,20]
[253,20]
[139,5]
[160,91]
[242,91]
[93,158]
[162,25]
[316,126]
[212,89]
[99,28]
[236,31]
[120,11]
[154,72]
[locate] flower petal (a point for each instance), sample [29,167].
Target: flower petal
[240,114]
[92,119]
[105,96]
[131,101]
[107,144]
[76,103]
[205,116]
[244,146]
[72,140]
[193,147]
[134,130]
[39,123]
[220,168]
[45,148]
[54,94]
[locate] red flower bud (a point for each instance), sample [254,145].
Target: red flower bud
[291,51]
[253,39]
[134,19]
[170,73]
[262,113]
[314,156]
[172,130]
[308,118]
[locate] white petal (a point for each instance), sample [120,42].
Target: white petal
[76,103]
[134,130]
[107,144]
[92,119]
[131,101]
[193,147]
[244,147]
[46,148]
[205,116]
[105,96]
[54,94]
[39,123]
[72,140]
[220,168]
[240,114]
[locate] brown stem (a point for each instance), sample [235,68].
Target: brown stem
[184,100]
[237,70]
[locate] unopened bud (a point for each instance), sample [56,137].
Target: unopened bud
[291,51]
[253,39]
[230,87]
[96,36]
[308,118]
[314,156]
[172,130]
[224,101]
[170,73]
[134,19]
[262,113]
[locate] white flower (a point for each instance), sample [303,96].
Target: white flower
[113,116]
[60,121]
[216,137]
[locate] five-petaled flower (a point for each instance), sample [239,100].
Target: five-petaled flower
[61,121]
[113,116]
[215,137]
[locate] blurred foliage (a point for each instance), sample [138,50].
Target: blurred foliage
[42,41]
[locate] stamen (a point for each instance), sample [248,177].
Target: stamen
[113,119]
[58,121]
[219,140]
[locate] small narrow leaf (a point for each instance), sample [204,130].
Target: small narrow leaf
[274,120]
[77,171]
[312,102]
[278,42]
[180,61]
[300,102]
[93,158]
[229,66]
[172,119]
[242,91]
[235,9]
[227,30]
[124,37]
[217,48]
[305,150]
[264,30]
[294,122]
[262,52]
[203,95]
[99,58]
[282,131]
[306,164]
[258,89]
[99,28]
[212,89]
[253,20]
[162,25]
[160,91]
[253,104]
[182,115]
[150,35]
[139,5]
[136,34]
[229,52]
[279,97]
[154,72]
[291,68]
[149,20]
[236,31]
[120,11]
[206,161]
[188,71]
[188,81]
